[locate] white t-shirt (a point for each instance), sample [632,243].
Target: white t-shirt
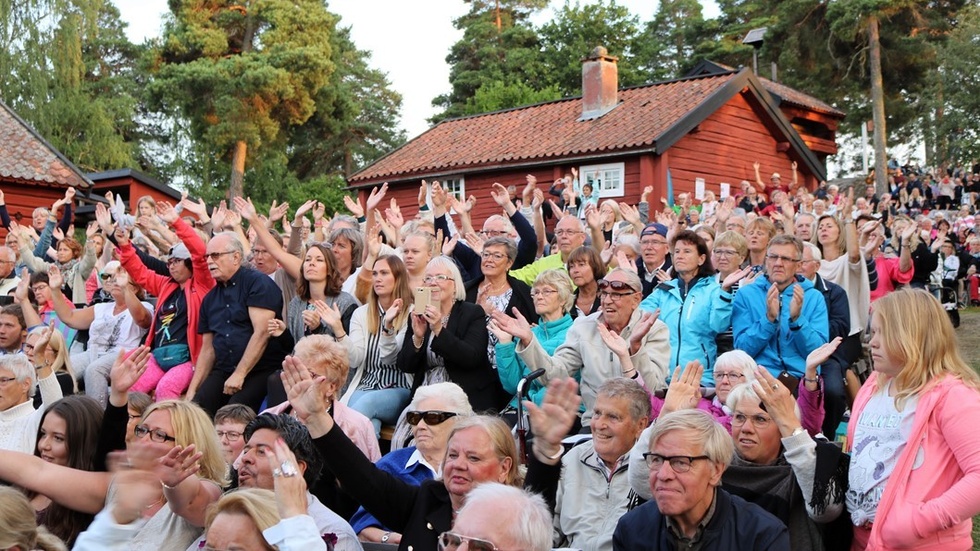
[109,331]
[879,440]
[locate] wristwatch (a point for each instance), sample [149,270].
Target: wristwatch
[386,537]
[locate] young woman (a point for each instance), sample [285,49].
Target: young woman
[379,389]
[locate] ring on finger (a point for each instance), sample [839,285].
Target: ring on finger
[775,386]
[276,473]
[288,469]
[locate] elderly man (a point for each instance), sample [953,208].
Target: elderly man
[689,452]
[617,341]
[594,489]
[804,226]
[19,420]
[8,278]
[569,235]
[497,516]
[780,318]
[653,265]
[254,471]
[237,355]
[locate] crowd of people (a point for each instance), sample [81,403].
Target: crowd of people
[774,369]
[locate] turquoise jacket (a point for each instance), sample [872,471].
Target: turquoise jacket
[694,320]
[511,368]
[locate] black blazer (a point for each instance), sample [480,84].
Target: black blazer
[463,346]
[520,298]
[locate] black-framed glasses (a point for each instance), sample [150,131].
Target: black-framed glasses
[618,286]
[431,417]
[232,435]
[105,277]
[758,421]
[678,463]
[173,260]
[156,435]
[451,541]
[216,256]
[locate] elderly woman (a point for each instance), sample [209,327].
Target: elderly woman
[447,340]
[553,299]
[113,326]
[432,414]
[494,290]
[479,449]
[693,305]
[729,250]
[586,268]
[914,477]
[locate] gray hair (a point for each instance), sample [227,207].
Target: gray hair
[449,393]
[533,528]
[631,278]
[21,368]
[342,219]
[236,244]
[447,264]
[628,240]
[7,253]
[621,387]
[739,360]
[562,283]
[745,391]
[814,250]
[356,239]
[715,441]
[508,225]
[507,243]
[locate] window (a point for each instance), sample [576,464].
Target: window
[455,186]
[606,179]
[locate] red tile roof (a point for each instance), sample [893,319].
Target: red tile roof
[27,157]
[787,94]
[548,130]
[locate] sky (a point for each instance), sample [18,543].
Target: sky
[408,43]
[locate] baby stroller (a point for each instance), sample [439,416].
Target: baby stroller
[947,295]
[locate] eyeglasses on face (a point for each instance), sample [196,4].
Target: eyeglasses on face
[678,463]
[171,261]
[439,278]
[780,258]
[493,233]
[107,276]
[758,421]
[726,253]
[652,242]
[487,255]
[560,233]
[542,292]
[231,435]
[39,287]
[156,435]
[730,375]
[4,381]
[216,256]
[431,417]
[450,541]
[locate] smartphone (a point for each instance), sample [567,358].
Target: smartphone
[423,296]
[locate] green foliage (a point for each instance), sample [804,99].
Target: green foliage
[495,95]
[666,47]
[955,103]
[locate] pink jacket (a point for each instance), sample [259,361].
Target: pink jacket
[930,507]
[355,425]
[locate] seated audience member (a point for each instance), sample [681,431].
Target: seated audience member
[19,420]
[688,455]
[432,415]
[552,294]
[229,424]
[256,470]
[758,233]
[497,516]
[448,341]
[19,528]
[45,347]
[695,308]
[68,436]
[13,329]
[618,341]
[653,266]
[173,338]
[112,326]
[237,355]
[727,255]
[73,260]
[593,490]
[419,513]
[586,268]
[8,277]
[780,317]
[569,234]
[492,289]
[248,518]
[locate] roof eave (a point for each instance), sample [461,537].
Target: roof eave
[61,157]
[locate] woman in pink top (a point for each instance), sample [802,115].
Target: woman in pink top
[914,480]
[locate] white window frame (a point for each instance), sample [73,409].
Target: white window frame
[611,180]
[458,189]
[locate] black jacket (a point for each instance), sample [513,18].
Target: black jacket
[520,298]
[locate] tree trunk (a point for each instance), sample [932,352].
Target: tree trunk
[237,170]
[878,108]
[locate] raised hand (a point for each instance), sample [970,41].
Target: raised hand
[684,391]
[391,314]
[423,190]
[641,329]
[393,215]
[821,353]
[329,314]
[305,393]
[127,370]
[21,294]
[516,326]
[592,216]
[551,421]
[772,303]
[55,279]
[613,341]
[244,207]
[449,246]
[796,303]
[778,401]
[57,234]
[178,465]
[166,212]
[537,199]
[503,337]
[318,211]
[277,212]
[354,206]
[104,218]
[624,263]
[303,209]
[499,194]
[122,236]
[375,197]
[630,213]
[438,195]
[735,277]
[475,241]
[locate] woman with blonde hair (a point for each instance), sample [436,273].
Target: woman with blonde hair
[18,528]
[162,486]
[46,347]
[914,478]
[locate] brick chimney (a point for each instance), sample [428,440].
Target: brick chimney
[600,84]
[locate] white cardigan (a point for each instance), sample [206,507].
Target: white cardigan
[19,424]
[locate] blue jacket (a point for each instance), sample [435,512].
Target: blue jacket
[694,321]
[783,345]
[393,463]
[511,368]
[735,526]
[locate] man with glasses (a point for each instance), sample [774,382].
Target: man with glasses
[237,355]
[569,235]
[8,278]
[780,318]
[653,265]
[497,517]
[19,421]
[617,341]
[689,452]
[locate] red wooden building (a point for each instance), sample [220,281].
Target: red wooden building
[712,124]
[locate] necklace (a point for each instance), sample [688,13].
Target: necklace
[489,289]
[155,503]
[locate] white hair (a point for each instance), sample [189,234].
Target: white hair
[449,393]
[814,250]
[21,368]
[533,527]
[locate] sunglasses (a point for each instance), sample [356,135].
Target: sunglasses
[618,286]
[449,541]
[431,418]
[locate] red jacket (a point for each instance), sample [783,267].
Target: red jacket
[160,286]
